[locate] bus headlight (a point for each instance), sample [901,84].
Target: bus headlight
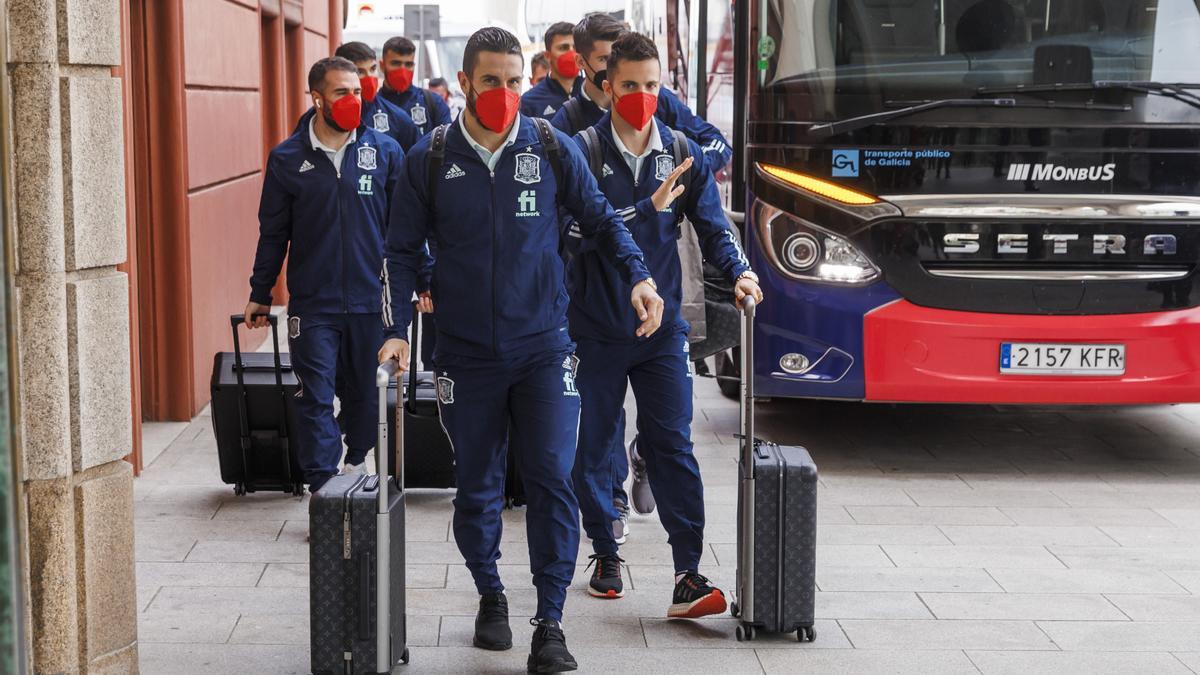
[806,252]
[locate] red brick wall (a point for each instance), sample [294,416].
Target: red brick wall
[224,104]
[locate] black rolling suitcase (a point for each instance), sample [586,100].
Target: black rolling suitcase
[777,524]
[353,591]
[251,416]
[428,455]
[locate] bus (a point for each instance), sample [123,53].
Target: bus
[971,201]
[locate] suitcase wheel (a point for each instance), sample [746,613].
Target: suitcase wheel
[806,634]
[745,632]
[239,489]
[734,610]
[404,657]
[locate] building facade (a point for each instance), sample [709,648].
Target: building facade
[134,135]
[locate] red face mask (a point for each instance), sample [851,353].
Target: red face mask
[637,109]
[345,113]
[567,67]
[400,79]
[370,87]
[497,108]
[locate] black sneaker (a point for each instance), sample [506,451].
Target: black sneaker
[491,623]
[695,597]
[548,652]
[606,580]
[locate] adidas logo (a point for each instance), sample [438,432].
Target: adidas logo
[606,172]
[306,166]
[549,110]
[455,172]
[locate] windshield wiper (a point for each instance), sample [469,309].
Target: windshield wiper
[914,107]
[1176,90]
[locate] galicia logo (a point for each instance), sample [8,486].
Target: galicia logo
[1060,173]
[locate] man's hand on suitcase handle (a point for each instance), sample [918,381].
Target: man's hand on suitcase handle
[747,286]
[648,305]
[256,315]
[396,350]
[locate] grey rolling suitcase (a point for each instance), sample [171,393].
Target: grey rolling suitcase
[777,523]
[356,596]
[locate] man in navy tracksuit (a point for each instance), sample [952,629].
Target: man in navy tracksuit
[325,199]
[377,112]
[562,82]
[505,362]
[594,36]
[426,108]
[639,176]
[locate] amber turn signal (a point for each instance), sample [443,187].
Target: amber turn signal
[817,186]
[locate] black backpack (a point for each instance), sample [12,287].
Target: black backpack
[437,156]
[680,151]
[574,108]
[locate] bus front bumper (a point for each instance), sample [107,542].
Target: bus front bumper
[919,354]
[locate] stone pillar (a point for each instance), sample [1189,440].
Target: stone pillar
[72,313]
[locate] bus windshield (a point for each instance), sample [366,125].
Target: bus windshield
[853,57]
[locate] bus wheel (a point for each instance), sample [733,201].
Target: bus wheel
[728,375]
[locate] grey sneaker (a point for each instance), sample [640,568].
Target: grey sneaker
[354,469]
[621,524]
[642,497]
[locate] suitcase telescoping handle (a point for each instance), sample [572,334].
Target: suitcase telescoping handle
[746,544]
[746,386]
[383,531]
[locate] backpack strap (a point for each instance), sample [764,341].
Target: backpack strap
[680,151]
[595,151]
[429,105]
[574,114]
[553,152]
[437,157]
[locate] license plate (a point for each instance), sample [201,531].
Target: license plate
[1041,358]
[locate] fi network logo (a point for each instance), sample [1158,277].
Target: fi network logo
[527,204]
[845,163]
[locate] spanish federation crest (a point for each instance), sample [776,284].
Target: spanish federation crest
[418,115]
[380,119]
[529,168]
[366,158]
[663,166]
[445,390]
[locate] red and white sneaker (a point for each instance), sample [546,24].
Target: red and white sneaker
[695,597]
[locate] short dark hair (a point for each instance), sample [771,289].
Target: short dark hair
[593,28]
[356,52]
[539,59]
[316,74]
[490,39]
[438,82]
[631,47]
[401,45]
[557,29]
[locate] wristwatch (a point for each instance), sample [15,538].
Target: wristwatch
[650,280]
[748,274]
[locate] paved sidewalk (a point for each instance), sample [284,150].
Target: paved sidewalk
[952,540]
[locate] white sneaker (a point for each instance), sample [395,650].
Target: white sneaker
[621,524]
[354,469]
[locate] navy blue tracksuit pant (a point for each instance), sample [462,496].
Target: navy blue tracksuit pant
[334,353]
[531,404]
[658,370]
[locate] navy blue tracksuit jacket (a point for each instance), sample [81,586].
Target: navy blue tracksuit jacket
[416,101]
[546,97]
[657,367]
[382,116]
[675,114]
[504,361]
[329,222]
